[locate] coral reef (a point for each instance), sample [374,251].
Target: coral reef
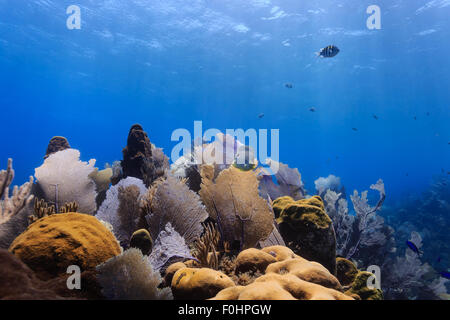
[63,178]
[233,202]
[171,200]
[130,276]
[53,243]
[307,229]
[270,273]
[410,278]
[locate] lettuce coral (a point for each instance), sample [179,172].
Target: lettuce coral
[130,276]
[53,243]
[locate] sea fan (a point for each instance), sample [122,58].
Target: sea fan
[130,276]
[63,178]
[233,201]
[171,200]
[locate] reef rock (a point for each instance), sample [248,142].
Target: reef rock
[53,243]
[198,284]
[307,229]
[19,282]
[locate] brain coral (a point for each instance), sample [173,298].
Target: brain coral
[279,274]
[287,277]
[306,227]
[198,284]
[53,243]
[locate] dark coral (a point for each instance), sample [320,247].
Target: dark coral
[18,282]
[141,159]
[135,154]
[56,144]
[307,229]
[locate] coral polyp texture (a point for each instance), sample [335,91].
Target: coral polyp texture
[52,244]
[306,227]
[273,273]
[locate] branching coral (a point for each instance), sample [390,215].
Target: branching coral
[409,278]
[233,201]
[171,200]
[43,209]
[130,276]
[11,206]
[206,247]
[63,178]
[364,229]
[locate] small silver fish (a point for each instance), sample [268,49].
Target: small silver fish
[312,109]
[328,52]
[261,115]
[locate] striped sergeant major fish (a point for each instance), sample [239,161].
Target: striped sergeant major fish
[328,52]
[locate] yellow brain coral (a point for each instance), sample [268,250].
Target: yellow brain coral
[198,284]
[53,243]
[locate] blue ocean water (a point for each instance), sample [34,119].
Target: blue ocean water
[167,63]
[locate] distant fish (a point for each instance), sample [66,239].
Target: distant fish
[407,174]
[428,113]
[439,259]
[261,115]
[289,85]
[415,118]
[312,109]
[375,116]
[328,52]
[413,247]
[445,274]
[448,143]
[355,129]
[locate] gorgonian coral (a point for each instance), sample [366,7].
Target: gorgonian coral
[169,247]
[364,229]
[171,200]
[121,208]
[232,200]
[288,181]
[64,178]
[130,276]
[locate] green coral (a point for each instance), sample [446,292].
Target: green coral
[142,240]
[301,212]
[359,287]
[346,271]
[307,229]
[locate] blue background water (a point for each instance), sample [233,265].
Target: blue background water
[166,63]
